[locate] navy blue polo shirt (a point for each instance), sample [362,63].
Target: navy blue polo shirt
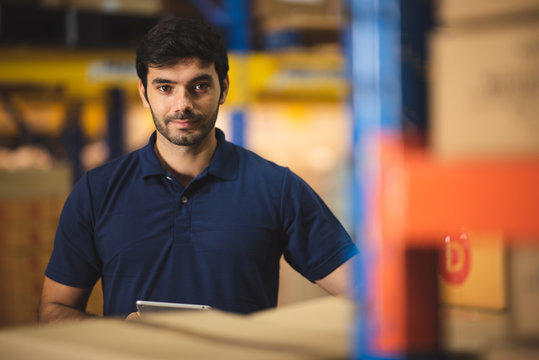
[217,241]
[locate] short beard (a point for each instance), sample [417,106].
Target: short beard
[186,139]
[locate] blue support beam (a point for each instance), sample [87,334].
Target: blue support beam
[213,13]
[238,41]
[373,52]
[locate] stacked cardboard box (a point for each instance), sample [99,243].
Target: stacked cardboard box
[142,7]
[298,23]
[524,292]
[484,79]
[30,205]
[484,101]
[464,13]
[473,273]
[474,291]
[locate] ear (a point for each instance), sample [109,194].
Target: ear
[142,94]
[224,90]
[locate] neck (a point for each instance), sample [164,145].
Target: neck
[185,162]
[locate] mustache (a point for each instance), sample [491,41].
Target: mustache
[182,116]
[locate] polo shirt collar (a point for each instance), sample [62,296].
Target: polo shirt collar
[224,163]
[150,164]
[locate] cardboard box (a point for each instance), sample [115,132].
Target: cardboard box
[30,205]
[524,291]
[512,351]
[272,8]
[314,330]
[484,93]
[34,183]
[28,226]
[473,272]
[473,331]
[21,280]
[142,7]
[466,12]
[296,23]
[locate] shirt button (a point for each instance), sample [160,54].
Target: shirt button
[169,178]
[184,199]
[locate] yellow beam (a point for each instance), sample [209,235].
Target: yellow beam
[80,73]
[253,77]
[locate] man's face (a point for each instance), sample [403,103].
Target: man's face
[184,100]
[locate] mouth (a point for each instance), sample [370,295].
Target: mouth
[183,124]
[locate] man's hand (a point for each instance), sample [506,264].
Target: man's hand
[133,316]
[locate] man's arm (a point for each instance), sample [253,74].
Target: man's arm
[60,302]
[340,281]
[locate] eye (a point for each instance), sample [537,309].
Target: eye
[163,88]
[201,87]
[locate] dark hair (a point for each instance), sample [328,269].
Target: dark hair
[181,38]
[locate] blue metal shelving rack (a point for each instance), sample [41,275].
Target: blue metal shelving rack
[372,49]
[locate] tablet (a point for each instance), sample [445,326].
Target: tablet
[153,306]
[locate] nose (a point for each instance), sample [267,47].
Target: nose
[183,102]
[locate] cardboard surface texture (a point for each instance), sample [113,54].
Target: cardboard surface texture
[290,334]
[30,204]
[271,8]
[484,92]
[484,286]
[319,328]
[519,352]
[459,12]
[524,294]
[471,330]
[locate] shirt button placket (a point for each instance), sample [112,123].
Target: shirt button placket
[182,226]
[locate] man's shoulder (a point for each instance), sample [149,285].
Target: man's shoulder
[254,160]
[120,169]
[111,166]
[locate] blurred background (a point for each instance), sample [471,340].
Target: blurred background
[466,77]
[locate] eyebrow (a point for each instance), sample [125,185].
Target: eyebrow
[163,81]
[203,77]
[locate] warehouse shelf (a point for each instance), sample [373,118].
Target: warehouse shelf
[418,201]
[409,200]
[406,198]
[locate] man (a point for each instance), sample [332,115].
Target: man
[190,217]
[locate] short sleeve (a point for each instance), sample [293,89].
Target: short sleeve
[316,242]
[74,260]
